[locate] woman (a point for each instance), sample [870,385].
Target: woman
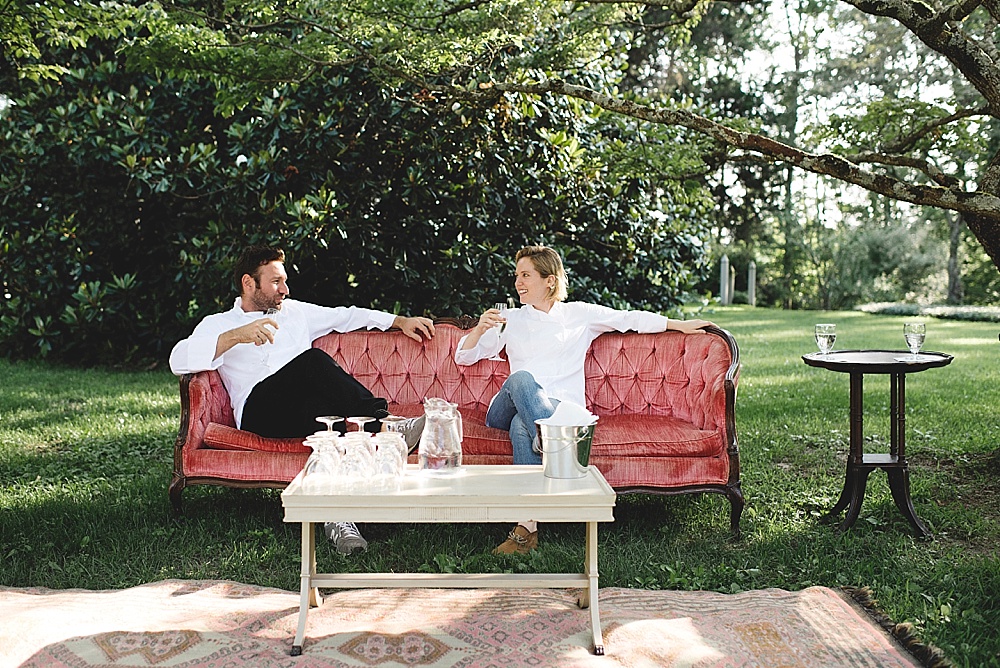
[547,342]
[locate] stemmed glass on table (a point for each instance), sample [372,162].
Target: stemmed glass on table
[502,307]
[826,335]
[360,422]
[329,420]
[914,333]
[321,468]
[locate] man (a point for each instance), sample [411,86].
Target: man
[278,383]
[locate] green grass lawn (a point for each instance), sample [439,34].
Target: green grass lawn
[86,455]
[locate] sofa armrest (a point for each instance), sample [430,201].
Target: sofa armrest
[203,400]
[730,383]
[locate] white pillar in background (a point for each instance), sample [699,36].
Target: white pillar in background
[724,296]
[752,284]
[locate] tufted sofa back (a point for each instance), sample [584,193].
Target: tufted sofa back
[667,373]
[403,371]
[626,373]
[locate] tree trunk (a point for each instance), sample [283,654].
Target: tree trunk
[956,291]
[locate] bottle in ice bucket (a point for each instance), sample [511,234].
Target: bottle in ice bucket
[441,441]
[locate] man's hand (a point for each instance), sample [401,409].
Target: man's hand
[689,326]
[257,332]
[417,328]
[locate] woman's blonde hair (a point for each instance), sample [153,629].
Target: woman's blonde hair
[547,263]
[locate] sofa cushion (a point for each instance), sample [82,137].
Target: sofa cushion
[480,439]
[222,437]
[653,436]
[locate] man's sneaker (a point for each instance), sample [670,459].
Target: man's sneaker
[412,429]
[409,428]
[345,536]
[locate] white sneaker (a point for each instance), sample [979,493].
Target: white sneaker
[345,536]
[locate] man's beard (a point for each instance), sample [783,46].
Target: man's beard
[261,303]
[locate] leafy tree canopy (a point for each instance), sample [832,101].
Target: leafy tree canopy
[487,48]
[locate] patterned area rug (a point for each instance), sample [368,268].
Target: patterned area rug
[213,624]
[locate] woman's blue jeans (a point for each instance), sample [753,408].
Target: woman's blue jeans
[521,401]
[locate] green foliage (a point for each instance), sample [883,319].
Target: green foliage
[460,45]
[29,30]
[887,121]
[980,277]
[127,196]
[877,264]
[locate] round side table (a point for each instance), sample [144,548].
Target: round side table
[895,364]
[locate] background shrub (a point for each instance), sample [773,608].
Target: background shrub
[126,198]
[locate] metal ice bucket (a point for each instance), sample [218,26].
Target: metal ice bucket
[565,449]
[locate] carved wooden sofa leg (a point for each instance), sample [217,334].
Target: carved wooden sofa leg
[177,486]
[736,502]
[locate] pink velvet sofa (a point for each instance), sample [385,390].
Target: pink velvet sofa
[666,404]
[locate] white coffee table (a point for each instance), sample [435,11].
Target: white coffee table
[505,494]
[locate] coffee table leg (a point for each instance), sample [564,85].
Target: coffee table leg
[308,595]
[590,596]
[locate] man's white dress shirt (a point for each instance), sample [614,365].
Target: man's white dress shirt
[553,346]
[244,365]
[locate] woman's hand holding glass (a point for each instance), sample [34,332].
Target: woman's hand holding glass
[494,317]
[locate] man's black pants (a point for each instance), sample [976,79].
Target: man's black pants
[287,403]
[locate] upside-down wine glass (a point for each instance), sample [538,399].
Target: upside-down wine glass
[360,421]
[826,335]
[329,420]
[914,333]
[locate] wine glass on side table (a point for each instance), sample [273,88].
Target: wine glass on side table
[914,333]
[826,335]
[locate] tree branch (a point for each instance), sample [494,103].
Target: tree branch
[982,204]
[907,141]
[676,6]
[959,10]
[897,160]
[938,31]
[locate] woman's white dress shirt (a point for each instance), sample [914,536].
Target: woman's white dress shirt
[553,346]
[244,365]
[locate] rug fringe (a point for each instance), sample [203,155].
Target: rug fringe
[928,655]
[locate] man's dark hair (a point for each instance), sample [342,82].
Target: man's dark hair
[251,260]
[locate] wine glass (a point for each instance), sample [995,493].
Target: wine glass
[826,335]
[271,313]
[262,347]
[502,307]
[914,333]
[360,421]
[329,421]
